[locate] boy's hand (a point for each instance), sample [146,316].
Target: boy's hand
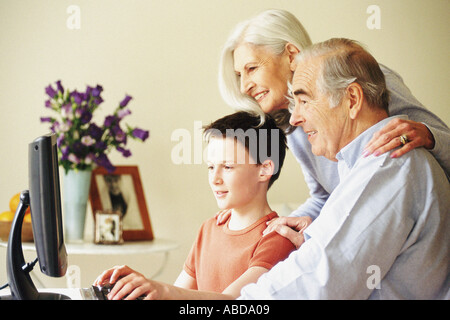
[290,228]
[134,286]
[112,275]
[127,284]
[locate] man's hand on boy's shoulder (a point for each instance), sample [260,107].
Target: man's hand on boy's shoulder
[290,228]
[222,216]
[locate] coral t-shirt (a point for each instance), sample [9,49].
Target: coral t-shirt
[219,255]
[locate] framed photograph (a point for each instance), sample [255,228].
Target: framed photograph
[122,191]
[108,227]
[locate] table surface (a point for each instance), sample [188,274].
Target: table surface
[72,293]
[128,247]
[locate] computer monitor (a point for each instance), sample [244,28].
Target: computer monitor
[44,198]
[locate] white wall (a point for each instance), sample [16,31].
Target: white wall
[165,54]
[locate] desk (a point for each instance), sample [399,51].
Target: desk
[73,294]
[127,248]
[130,247]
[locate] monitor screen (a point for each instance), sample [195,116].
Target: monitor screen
[44,198]
[45,202]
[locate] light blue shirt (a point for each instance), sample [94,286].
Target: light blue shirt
[321,174]
[384,233]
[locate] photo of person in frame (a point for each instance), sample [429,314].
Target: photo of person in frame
[117,193]
[108,227]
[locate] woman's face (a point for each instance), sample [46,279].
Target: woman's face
[264,75]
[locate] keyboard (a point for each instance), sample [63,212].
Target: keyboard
[96,292]
[99,292]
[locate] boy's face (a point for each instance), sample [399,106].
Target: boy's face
[234,176]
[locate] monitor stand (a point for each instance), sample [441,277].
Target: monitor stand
[19,280]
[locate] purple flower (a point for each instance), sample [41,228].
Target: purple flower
[65,153]
[100,145]
[125,101]
[97,100]
[89,158]
[86,116]
[95,131]
[67,110]
[103,161]
[110,120]
[78,147]
[50,91]
[97,90]
[140,134]
[65,126]
[60,140]
[78,97]
[55,126]
[60,87]
[118,133]
[73,158]
[46,119]
[122,113]
[126,153]
[81,142]
[87,141]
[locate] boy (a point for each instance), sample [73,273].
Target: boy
[244,159]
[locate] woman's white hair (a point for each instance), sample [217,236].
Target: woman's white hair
[272,29]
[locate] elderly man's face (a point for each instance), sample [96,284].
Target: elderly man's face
[324,125]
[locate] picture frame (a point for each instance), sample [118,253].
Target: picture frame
[122,190]
[108,227]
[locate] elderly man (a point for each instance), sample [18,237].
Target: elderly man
[384,233]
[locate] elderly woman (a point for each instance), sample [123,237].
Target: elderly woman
[257,64]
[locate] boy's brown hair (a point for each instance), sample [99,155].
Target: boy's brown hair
[262,141]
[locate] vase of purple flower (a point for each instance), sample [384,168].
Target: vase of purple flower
[76,194]
[84,144]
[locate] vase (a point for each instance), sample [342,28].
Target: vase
[76,193]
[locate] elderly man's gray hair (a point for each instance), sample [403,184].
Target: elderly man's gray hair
[346,61]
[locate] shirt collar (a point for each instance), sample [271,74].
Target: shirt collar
[353,151]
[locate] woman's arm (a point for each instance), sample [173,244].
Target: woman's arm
[423,129]
[387,138]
